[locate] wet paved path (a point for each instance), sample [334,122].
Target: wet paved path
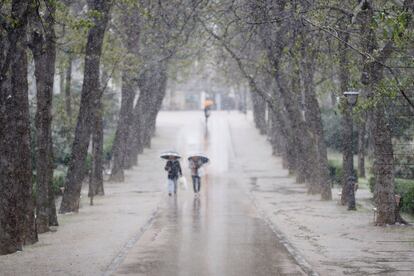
[219,233]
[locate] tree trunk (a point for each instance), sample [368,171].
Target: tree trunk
[96,183]
[61,78]
[383,168]
[361,148]
[135,135]
[347,150]
[89,98]
[259,112]
[129,88]
[290,99]
[53,220]
[274,135]
[147,83]
[157,98]
[96,186]
[347,125]
[68,81]
[300,135]
[314,122]
[120,146]
[382,140]
[44,53]
[17,221]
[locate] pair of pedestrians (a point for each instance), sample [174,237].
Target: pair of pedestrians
[173,168]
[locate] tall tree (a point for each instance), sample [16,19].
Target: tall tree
[372,75]
[90,97]
[313,112]
[67,87]
[43,46]
[131,22]
[259,112]
[347,125]
[17,221]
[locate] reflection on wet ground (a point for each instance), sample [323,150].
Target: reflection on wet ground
[219,233]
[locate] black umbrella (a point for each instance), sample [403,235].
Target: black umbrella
[204,159]
[168,154]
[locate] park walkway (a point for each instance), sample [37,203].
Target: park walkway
[251,218]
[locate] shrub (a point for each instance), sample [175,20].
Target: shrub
[58,182]
[404,165]
[403,187]
[335,172]
[332,127]
[107,148]
[371,184]
[88,163]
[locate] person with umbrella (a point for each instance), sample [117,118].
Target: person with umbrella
[174,170]
[207,108]
[195,163]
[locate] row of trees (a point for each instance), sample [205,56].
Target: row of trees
[132,44]
[289,52]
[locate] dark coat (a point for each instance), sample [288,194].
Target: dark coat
[174,169]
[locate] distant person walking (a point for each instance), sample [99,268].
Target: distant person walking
[174,171]
[207,108]
[195,164]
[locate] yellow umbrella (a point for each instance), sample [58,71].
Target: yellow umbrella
[208,103]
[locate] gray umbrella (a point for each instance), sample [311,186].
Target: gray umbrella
[168,154]
[204,159]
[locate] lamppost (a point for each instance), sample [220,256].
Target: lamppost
[351,98]
[348,194]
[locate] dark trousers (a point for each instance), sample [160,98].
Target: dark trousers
[196,183]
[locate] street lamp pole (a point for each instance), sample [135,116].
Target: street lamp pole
[348,156]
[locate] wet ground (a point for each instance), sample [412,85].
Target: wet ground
[248,207]
[217,233]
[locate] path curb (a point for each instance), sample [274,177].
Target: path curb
[120,257]
[294,252]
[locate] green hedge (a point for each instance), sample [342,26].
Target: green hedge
[335,172]
[58,182]
[403,187]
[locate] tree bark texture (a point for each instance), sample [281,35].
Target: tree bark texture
[128,91]
[90,97]
[361,148]
[158,86]
[96,186]
[346,120]
[135,135]
[120,147]
[383,168]
[347,149]
[274,42]
[17,221]
[382,140]
[68,82]
[314,121]
[149,83]
[44,53]
[283,125]
[259,112]
[300,135]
